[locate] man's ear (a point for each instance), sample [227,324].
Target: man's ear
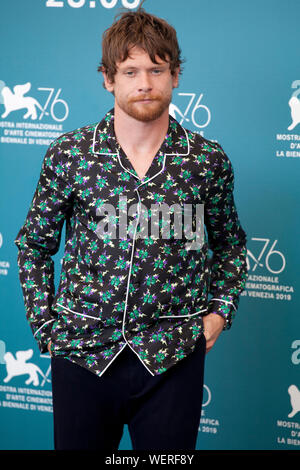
[107,83]
[176,77]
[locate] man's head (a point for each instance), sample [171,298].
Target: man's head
[138,28]
[140,64]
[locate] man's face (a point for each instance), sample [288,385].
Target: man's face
[142,89]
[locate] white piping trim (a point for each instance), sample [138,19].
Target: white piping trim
[128,281]
[94,143]
[139,206]
[132,250]
[226,302]
[76,313]
[110,153]
[95,318]
[112,361]
[128,171]
[49,321]
[162,169]
[185,316]
[94,138]
[188,148]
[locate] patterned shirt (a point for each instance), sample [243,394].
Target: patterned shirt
[130,286]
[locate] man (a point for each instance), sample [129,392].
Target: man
[132,319]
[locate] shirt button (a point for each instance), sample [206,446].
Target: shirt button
[136,284]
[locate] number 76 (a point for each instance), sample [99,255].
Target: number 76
[56,100]
[197,107]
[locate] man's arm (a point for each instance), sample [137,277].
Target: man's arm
[39,239]
[227,240]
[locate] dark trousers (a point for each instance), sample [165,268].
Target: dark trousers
[162,411]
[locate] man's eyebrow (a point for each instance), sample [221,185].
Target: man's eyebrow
[154,66]
[128,67]
[133,67]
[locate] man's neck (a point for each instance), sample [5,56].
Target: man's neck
[140,138]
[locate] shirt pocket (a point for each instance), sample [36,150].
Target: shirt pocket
[177,315]
[78,326]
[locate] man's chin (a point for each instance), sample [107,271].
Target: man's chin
[146,112]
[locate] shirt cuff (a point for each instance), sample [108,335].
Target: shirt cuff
[43,336]
[225,307]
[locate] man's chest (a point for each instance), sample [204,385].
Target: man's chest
[103,180]
[111,203]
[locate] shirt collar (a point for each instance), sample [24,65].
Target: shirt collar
[176,141]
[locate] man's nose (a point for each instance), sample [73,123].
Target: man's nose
[145,83]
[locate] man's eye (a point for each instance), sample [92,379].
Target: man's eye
[129,73]
[156,71]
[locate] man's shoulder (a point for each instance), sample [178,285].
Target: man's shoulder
[210,149]
[198,142]
[209,153]
[75,138]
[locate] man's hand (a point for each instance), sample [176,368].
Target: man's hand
[213,326]
[49,347]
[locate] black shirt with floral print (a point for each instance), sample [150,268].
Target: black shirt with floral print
[129,288]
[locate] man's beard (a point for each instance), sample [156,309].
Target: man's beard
[149,111]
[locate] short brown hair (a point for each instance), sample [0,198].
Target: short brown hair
[143,30]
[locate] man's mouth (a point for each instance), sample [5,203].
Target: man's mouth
[144,100]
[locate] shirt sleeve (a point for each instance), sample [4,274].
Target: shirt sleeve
[227,241]
[39,239]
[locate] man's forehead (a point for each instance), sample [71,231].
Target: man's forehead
[139,55]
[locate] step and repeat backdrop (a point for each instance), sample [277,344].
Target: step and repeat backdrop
[240,86]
